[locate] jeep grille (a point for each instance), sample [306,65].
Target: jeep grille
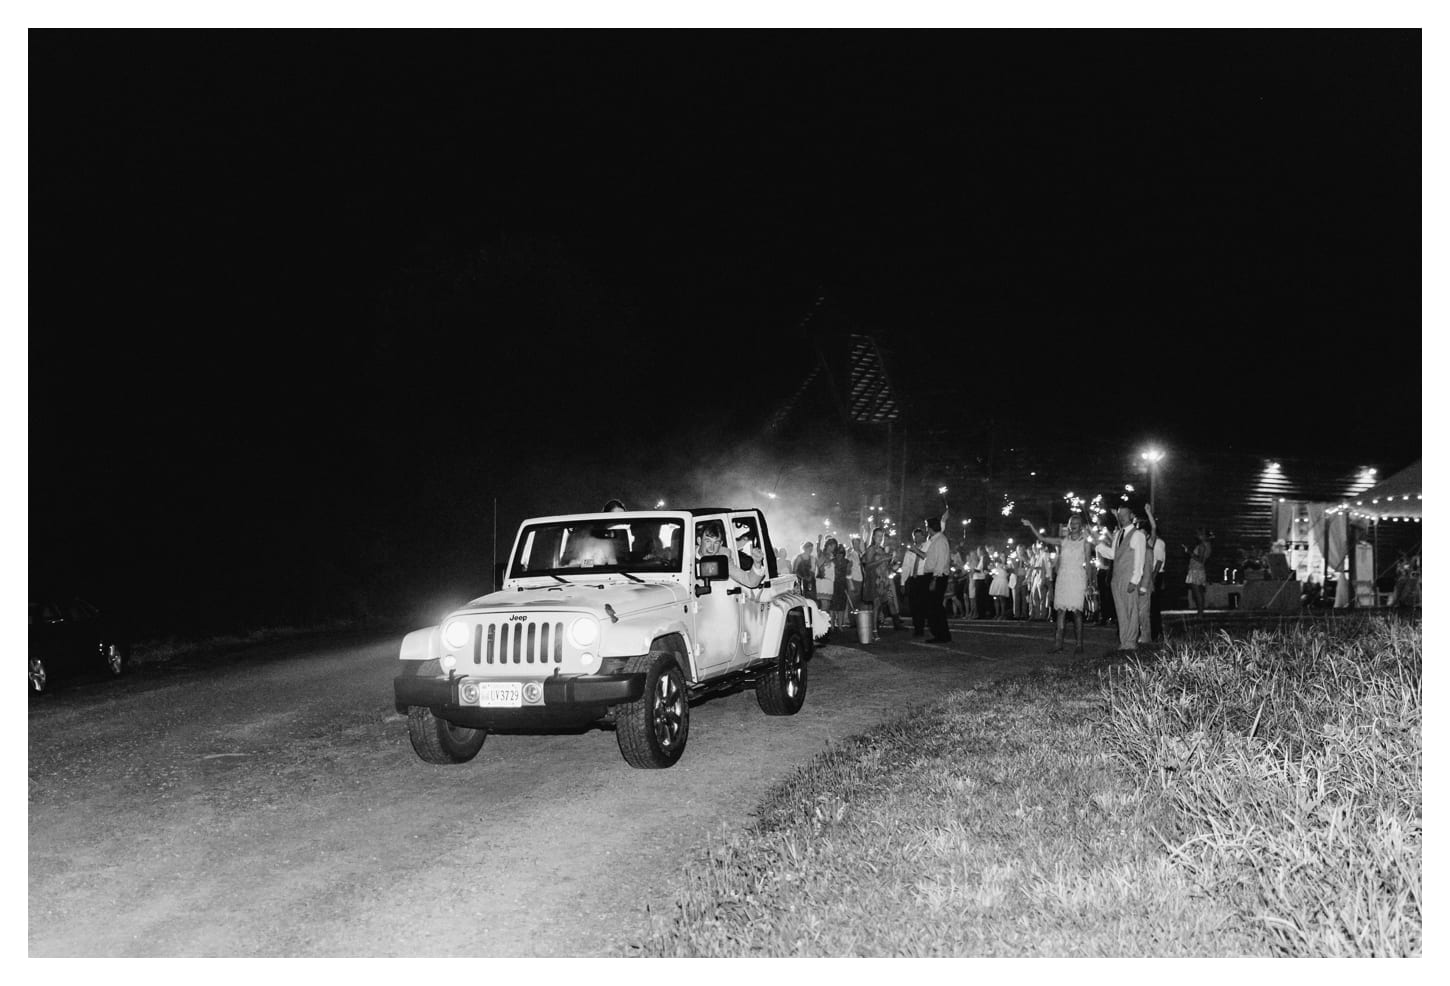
[518,642]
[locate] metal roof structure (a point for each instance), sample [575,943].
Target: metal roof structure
[870,399]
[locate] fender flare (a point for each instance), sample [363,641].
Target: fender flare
[787,606]
[677,643]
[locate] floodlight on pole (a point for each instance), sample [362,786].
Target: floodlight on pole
[1152,456]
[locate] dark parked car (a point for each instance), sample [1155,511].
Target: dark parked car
[73,638]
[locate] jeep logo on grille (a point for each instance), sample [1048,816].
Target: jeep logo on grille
[521,616]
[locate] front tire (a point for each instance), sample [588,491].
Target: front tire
[781,690]
[652,730]
[439,741]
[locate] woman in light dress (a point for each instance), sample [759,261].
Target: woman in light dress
[1069,589]
[826,575]
[879,562]
[1001,589]
[1197,580]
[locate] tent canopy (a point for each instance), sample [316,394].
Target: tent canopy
[1397,496]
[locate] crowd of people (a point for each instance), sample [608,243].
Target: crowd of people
[1085,575]
[1111,576]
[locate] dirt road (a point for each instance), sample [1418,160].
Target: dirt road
[270,805]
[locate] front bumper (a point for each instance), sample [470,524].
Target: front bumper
[564,695]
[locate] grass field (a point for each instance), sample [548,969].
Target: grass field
[1253,795]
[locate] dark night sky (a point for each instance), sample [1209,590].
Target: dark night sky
[306,304]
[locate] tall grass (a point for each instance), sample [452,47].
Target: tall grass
[1292,762]
[1254,796]
[987,824]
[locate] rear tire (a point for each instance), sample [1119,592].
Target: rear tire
[781,690]
[439,741]
[653,729]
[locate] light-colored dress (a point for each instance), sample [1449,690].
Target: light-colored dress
[878,574]
[826,585]
[1197,572]
[999,586]
[1070,586]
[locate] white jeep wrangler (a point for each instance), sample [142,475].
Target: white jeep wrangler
[612,617]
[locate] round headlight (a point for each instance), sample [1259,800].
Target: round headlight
[455,634]
[584,631]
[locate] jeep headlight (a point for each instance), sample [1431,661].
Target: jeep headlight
[455,634]
[584,631]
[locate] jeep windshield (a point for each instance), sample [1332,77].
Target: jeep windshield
[574,548]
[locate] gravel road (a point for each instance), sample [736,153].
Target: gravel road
[269,804]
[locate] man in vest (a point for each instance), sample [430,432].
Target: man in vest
[1132,571]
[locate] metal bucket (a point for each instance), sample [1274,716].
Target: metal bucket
[863,625]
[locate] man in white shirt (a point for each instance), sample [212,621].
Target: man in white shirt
[1132,569]
[937,567]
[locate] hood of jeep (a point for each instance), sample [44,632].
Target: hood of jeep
[624,597]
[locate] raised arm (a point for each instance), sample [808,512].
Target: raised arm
[748,577]
[1056,542]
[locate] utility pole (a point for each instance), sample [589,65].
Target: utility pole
[890,441]
[901,512]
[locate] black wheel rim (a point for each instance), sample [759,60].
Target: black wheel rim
[667,711]
[793,668]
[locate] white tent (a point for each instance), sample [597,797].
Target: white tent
[1396,499]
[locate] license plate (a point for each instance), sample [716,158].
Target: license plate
[501,695]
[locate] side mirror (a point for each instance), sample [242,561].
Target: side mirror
[710,568]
